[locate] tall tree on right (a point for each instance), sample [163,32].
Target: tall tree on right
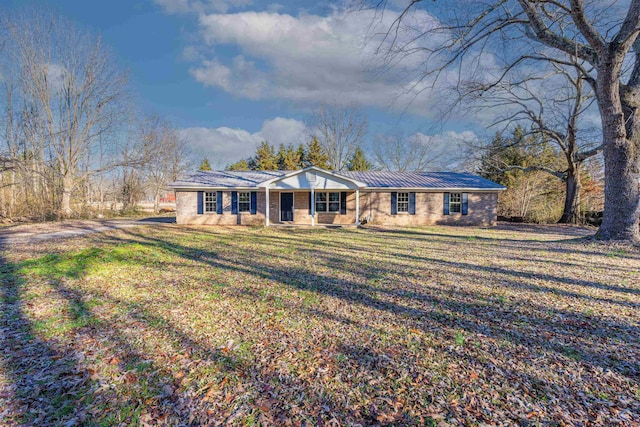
[601,34]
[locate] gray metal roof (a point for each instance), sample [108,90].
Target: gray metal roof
[226,179]
[373,179]
[431,180]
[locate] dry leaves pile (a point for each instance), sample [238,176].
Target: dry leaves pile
[213,326]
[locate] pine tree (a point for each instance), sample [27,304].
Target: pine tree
[287,158]
[204,165]
[359,161]
[240,165]
[302,155]
[265,159]
[316,155]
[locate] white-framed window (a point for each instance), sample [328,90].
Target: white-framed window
[321,202]
[455,203]
[210,202]
[403,202]
[334,202]
[328,202]
[244,202]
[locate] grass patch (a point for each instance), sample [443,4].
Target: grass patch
[254,326]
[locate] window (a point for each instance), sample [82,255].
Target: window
[455,202]
[334,202]
[244,202]
[321,202]
[403,202]
[328,202]
[210,202]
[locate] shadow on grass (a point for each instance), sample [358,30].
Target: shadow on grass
[544,330]
[537,332]
[46,384]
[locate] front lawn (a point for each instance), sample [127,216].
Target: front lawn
[164,325]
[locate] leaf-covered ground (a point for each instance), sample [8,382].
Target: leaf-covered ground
[166,325]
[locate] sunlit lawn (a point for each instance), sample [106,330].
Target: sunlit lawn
[438,326]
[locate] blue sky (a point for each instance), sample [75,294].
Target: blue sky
[230,73]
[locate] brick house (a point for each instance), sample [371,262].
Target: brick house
[313,196]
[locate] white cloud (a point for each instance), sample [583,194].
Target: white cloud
[284,131]
[310,59]
[200,6]
[224,145]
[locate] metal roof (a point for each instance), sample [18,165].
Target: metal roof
[431,180]
[226,179]
[372,179]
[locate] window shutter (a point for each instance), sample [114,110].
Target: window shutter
[200,202]
[234,202]
[465,203]
[394,203]
[254,198]
[310,212]
[219,202]
[446,203]
[412,203]
[343,203]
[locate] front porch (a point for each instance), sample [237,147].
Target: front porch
[312,197]
[312,208]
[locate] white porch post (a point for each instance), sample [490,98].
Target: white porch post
[357,207]
[266,219]
[313,208]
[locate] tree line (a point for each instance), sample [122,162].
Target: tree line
[72,143]
[290,158]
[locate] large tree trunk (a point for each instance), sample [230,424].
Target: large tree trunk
[621,133]
[571,212]
[65,203]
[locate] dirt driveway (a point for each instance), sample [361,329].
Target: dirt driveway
[34,233]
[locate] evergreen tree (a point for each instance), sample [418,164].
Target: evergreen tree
[204,165]
[316,156]
[287,158]
[240,165]
[359,162]
[265,159]
[523,163]
[302,155]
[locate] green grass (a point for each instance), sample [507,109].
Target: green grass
[254,326]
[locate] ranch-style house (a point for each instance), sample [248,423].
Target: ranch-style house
[314,196]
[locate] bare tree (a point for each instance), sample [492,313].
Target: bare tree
[166,156]
[599,33]
[399,153]
[340,130]
[553,114]
[72,93]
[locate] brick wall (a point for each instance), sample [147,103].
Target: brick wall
[187,211]
[374,206]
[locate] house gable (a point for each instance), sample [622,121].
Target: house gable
[312,177]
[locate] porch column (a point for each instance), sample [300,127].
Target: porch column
[313,208]
[266,219]
[357,207]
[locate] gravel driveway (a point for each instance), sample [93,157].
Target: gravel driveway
[34,233]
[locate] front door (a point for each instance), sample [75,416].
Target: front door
[286,207]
